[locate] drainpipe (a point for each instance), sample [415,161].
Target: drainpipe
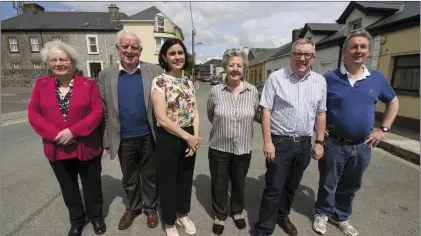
[340,44]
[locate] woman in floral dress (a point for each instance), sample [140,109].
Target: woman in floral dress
[177,137]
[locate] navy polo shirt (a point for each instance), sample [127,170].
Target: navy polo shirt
[131,102]
[351,109]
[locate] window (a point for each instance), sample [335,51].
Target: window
[13,42]
[15,65]
[34,45]
[159,42]
[356,25]
[406,73]
[37,65]
[160,24]
[57,39]
[92,41]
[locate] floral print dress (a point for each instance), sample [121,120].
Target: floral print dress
[180,98]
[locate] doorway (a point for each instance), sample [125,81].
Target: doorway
[94,68]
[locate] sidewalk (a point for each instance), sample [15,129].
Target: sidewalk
[402,142]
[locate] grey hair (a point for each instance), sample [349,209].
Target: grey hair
[235,52]
[58,45]
[121,33]
[357,33]
[302,41]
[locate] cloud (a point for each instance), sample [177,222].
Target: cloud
[222,25]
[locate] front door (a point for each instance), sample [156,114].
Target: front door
[94,68]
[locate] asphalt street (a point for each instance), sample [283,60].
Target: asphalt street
[31,203]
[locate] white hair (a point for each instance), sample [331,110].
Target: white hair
[121,33]
[301,41]
[58,45]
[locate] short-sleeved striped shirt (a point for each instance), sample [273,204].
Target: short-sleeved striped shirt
[232,119]
[293,102]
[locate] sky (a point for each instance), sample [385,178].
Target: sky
[220,25]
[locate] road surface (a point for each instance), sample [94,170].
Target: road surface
[387,205]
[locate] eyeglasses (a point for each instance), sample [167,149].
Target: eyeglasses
[61,60]
[306,55]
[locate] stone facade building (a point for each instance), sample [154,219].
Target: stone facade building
[91,34]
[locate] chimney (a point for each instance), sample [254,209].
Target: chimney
[295,34]
[32,8]
[114,12]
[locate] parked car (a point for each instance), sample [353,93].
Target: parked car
[258,116]
[215,81]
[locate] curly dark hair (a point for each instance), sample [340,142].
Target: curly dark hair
[164,49]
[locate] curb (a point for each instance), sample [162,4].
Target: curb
[400,152]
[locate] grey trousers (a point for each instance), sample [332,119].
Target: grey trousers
[139,173]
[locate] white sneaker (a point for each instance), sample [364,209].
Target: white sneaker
[319,223]
[187,224]
[345,227]
[171,230]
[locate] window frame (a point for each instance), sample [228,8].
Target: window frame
[32,44]
[395,68]
[357,21]
[13,65]
[10,44]
[88,44]
[55,38]
[162,42]
[158,26]
[36,63]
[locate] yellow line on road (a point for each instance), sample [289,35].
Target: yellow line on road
[14,122]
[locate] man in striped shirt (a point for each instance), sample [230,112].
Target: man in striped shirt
[294,102]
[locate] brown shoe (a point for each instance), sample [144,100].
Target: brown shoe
[287,226]
[152,219]
[127,219]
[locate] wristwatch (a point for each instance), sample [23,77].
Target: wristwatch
[321,142]
[384,129]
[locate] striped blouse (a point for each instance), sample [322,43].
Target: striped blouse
[232,119]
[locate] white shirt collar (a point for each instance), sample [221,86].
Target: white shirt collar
[120,68]
[364,75]
[291,72]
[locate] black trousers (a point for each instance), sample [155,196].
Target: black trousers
[283,177]
[67,172]
[175,175]
[139,173]
[224,167]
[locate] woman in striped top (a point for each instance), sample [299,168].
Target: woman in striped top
[231,108]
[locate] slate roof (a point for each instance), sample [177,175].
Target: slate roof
[99,21]
[411,10]
[338,35]
[285,49]
[321,27]
[262,55]
[370,8]
[147,14]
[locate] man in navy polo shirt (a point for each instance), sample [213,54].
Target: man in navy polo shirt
[352,94]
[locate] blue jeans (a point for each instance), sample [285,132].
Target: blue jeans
[283,177]
[341,173]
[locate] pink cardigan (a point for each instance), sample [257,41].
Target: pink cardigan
[83,118]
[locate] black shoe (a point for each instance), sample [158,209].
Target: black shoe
[76,230]
[99,226]
[217,229]
[240,223]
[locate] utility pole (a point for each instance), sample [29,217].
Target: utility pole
[193,33]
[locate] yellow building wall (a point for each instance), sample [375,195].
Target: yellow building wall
[146,33]
[402,42]
[254,75]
